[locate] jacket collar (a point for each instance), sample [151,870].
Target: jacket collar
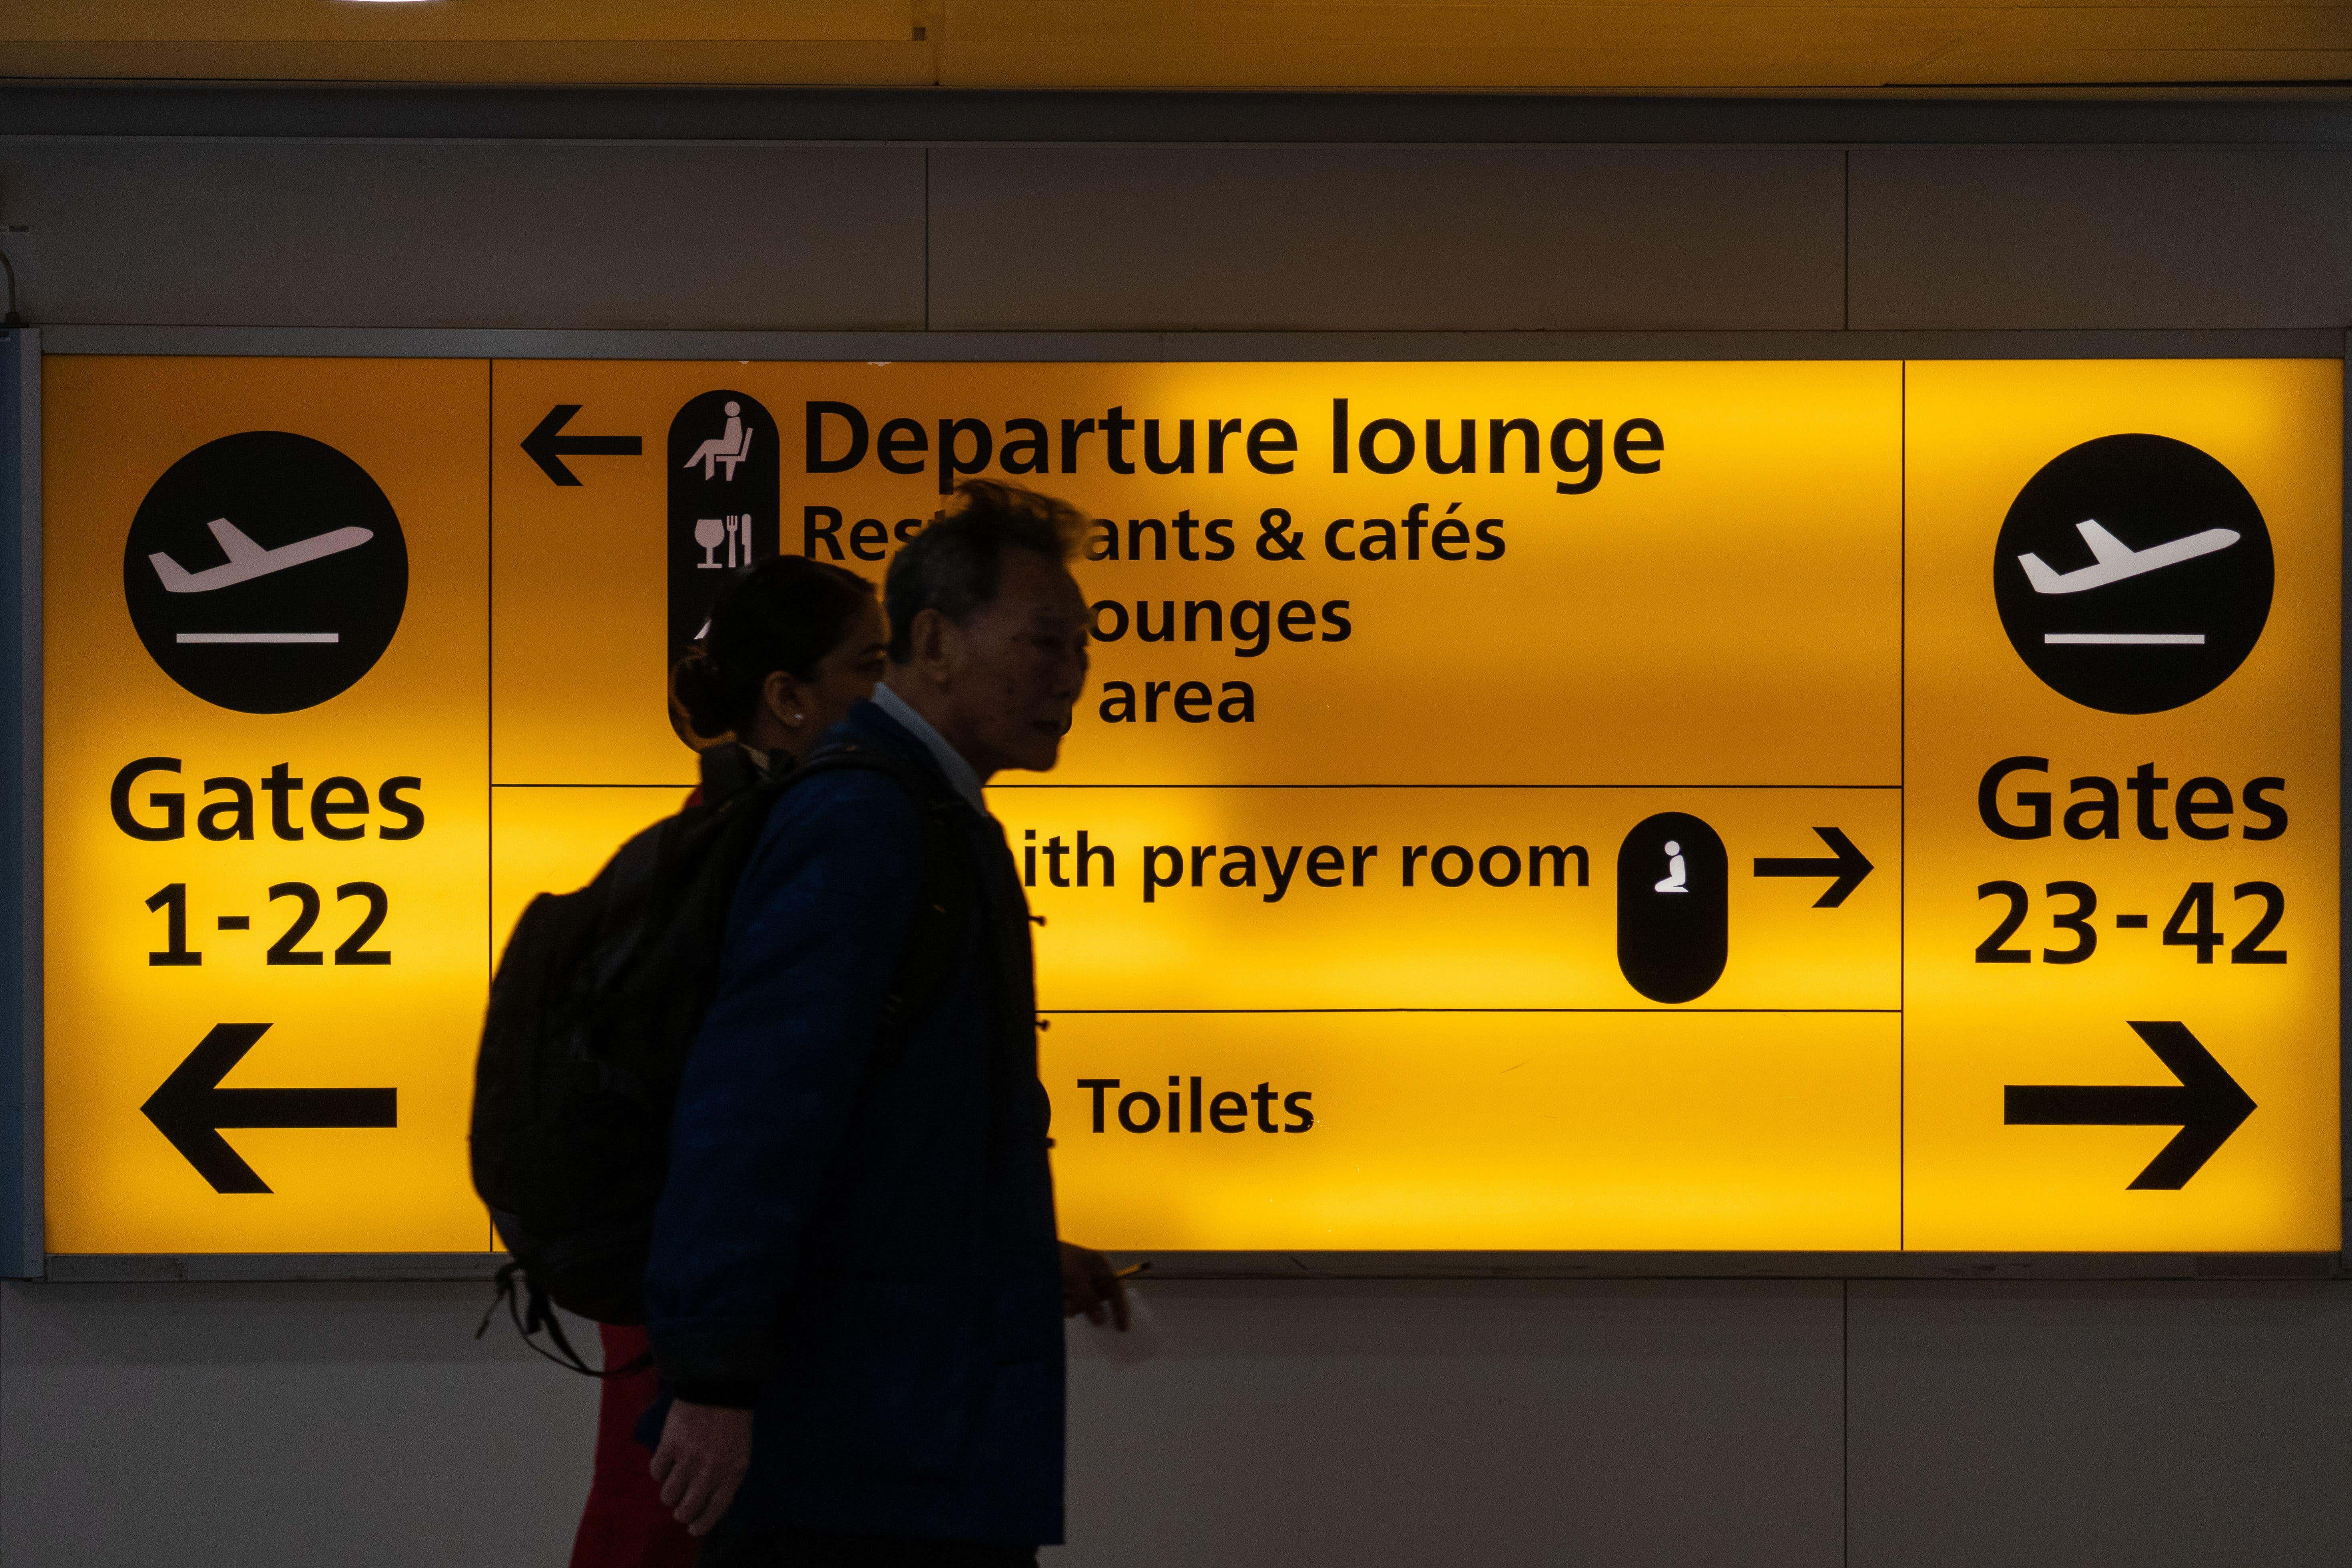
[879,724]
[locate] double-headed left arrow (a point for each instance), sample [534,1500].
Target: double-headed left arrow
[190,1107]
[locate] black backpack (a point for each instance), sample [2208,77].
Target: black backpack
[594,1009]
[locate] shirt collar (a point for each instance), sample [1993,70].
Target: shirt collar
[960,772]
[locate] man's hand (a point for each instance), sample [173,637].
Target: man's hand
[1091,1285]
[704,1451]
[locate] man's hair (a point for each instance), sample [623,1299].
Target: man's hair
[954,565]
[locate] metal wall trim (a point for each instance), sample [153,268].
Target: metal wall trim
[486,342]
[2257,114]
[1174,1267]
[21,1235]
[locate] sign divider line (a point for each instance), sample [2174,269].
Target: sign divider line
[489,702]
[1187,1012]
[1625,786]
[688,784]
[1903,814]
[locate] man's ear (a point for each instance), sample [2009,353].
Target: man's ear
[935,645]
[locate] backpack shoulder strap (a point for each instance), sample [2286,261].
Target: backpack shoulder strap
[724,770]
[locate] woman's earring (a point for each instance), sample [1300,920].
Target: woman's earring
[796,718]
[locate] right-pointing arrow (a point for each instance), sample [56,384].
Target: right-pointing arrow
[2207,1105]
[1848,869]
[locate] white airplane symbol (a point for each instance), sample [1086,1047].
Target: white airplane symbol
[2117,561]
[247,560]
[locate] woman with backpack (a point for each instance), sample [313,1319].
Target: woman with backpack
[792,645]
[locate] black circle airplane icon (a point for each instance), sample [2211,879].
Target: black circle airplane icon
[266,572]
[2094,579]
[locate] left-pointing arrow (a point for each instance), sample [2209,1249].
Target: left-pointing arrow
[190,1107]
[548,449]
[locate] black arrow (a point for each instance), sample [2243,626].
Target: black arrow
[549,449]
[1850,868]
[190,1107]
[2207,1105]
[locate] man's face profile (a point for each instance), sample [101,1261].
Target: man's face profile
[1024,663]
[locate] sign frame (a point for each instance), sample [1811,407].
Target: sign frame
[22,1249]
[21,1148]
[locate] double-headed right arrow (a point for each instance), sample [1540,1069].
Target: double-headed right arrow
[2207,1105]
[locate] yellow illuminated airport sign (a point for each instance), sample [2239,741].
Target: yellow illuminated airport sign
[1847,806]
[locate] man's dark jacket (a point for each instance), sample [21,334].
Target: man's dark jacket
[864,1248]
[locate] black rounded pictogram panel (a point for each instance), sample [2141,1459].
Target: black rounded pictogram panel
[725,477]
[266,572]
[2132,574]
[1673,906]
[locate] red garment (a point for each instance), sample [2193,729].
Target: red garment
[625,1524]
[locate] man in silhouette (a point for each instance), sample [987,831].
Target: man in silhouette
[856,1287]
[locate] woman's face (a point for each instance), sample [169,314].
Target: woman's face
[845,677]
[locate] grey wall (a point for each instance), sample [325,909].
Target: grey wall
[1623,1425]
[1741,1424]
[1085,238]
[266,1425]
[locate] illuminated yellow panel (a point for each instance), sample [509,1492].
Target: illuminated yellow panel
[1730,618]
[1978,432]
[1494,940]
[1456,1131]
[117,1025]
[1721,638]
[556,840]
[580,570]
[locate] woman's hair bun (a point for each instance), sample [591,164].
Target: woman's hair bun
[695,691]
[786,613]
